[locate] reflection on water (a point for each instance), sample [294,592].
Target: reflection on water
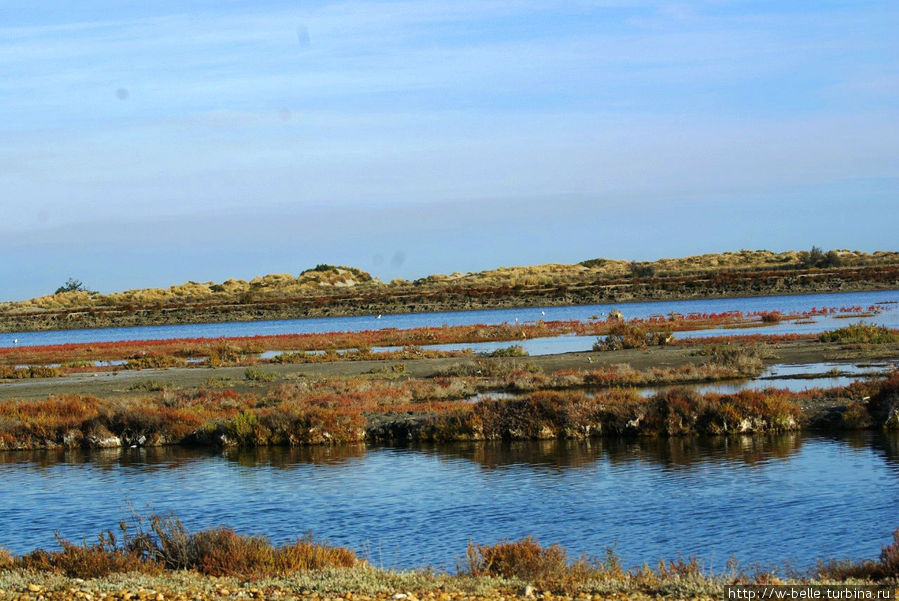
[765,498]
[149,459]
[665,452]
[288,457]
[735,386]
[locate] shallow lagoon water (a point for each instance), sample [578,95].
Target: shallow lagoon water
[782,376]
[789,498]
[784,304]
[761,499]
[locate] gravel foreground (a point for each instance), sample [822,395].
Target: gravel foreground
[364,584]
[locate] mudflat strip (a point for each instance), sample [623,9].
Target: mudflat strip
[107,383]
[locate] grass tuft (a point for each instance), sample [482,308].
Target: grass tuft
[254,374]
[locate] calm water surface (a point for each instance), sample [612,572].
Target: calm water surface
[762,499]
[779,376]
[784,304]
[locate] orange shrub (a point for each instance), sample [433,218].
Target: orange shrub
[305,554]
[527,560]
[87,561]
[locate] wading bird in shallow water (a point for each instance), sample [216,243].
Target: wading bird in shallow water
[379,316]
[15,341]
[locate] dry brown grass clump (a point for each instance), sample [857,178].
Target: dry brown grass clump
[87,560]
[545,567]
[745,358]
[162,543]
[549,568]
[633,335]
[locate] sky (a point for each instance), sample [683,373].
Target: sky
[148,144]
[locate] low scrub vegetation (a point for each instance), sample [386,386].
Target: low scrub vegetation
[550,568]
[528,561]
[633,335]
[254,374]
[818,258]
[331,419]
[151,360]
[576,415]
[515,350]
[561,404]
[162,543]
[147,386]
[747,359]
[23,373]
[861,333]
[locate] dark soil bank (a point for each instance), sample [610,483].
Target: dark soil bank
[430,298]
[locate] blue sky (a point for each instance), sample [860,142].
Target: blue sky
[147,144]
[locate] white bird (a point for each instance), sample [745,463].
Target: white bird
[542,312]
[379,316]
[15,341]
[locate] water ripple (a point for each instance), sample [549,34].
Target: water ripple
[762,499]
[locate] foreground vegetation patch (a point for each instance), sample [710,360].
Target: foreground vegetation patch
[565,404]
[160,544]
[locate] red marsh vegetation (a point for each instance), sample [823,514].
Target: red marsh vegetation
[25,361]
[359,409]
[160,543]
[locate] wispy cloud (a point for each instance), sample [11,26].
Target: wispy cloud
[477,53]
[173,108]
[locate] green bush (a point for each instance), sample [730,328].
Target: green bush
[818,258]
[862,333]
[25,373]
[642,270]
[243,426]
[71,285]
[515,350]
